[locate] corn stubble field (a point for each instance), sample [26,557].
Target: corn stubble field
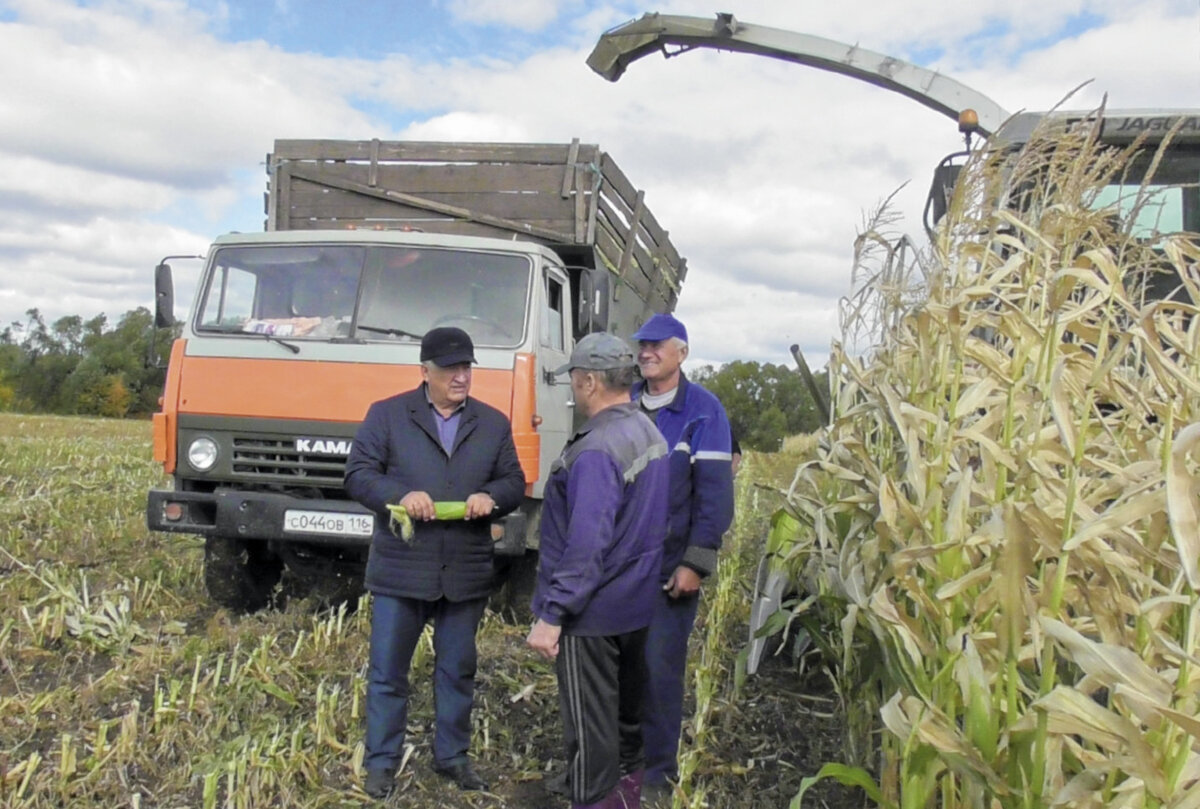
[121,686]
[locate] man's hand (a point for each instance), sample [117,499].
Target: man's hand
[543,639]
[683,582]
[419,505]
[479,505]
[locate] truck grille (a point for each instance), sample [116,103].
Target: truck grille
[276,460]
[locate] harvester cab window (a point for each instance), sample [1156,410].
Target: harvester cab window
[1159,208]
[1168,205]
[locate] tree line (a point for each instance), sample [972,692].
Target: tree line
[91,367]
[83,367]
[765,402]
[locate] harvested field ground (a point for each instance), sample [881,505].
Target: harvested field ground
[121,686]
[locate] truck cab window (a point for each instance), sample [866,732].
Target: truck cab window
[294,291]
[304,291]
[230,301]
[552,323]
[406,291]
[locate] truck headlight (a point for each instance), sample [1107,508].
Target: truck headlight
[202,454]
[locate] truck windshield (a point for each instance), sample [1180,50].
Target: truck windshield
[386,293]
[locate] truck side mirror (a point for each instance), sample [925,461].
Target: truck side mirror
[164,297]
[592,313]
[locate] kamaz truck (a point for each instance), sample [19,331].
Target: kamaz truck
[295,331]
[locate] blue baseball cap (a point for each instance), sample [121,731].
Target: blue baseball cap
[661,327]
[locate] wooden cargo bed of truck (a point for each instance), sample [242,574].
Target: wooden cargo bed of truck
[572,197]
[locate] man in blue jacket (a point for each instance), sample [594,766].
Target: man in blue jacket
[601,552]
[433,443]
[696,430]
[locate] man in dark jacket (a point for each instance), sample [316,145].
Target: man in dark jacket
[601,552]
[433,443]
[695,427]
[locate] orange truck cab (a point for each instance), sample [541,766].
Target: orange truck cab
[295,331]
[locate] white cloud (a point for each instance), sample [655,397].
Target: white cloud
[161,101]
[130,114]
[527,15]
[34,183]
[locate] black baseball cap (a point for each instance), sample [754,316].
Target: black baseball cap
[446,346]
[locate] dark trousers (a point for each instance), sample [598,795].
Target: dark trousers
[600,686]
[396,625]
[666,662]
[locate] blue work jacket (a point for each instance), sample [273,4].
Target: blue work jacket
[696,430]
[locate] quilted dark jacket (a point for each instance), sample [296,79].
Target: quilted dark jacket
[396,450]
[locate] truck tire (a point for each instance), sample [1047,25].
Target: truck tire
[239,575]
[516,578]
[325,589]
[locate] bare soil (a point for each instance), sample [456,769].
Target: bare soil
[781,728]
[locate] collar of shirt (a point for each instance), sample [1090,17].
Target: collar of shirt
[675,401]
[447,426]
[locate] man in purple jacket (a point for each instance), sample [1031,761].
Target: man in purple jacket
[603,530]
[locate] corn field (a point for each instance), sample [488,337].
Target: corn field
[998,531]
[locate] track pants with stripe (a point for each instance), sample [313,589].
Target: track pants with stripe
[600,684]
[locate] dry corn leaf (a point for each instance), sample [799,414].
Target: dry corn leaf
[1183,493]
[1110,664]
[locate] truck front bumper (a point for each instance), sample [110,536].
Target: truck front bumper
[282,518]
[257,515]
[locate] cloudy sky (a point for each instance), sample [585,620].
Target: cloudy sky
[134,129]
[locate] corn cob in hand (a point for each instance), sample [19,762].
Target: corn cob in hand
[401,524]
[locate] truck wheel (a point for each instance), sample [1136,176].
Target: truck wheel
[325,589]
[239,575]
[516,578]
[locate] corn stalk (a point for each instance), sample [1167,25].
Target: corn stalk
[986,517]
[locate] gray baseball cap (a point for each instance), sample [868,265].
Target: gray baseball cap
[600,352]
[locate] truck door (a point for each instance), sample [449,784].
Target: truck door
[554,403]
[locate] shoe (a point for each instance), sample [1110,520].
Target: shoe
[657,794]
[463,774]
[380,783]
[629,791]
[556,784]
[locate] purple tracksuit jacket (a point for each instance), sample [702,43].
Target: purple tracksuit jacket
[604,522]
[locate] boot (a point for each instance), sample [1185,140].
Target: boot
[629,791]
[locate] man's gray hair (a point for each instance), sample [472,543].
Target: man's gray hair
[617,378]
[679,343]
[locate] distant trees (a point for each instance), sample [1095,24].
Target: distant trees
[89,367]
[766,403]
[84,367]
